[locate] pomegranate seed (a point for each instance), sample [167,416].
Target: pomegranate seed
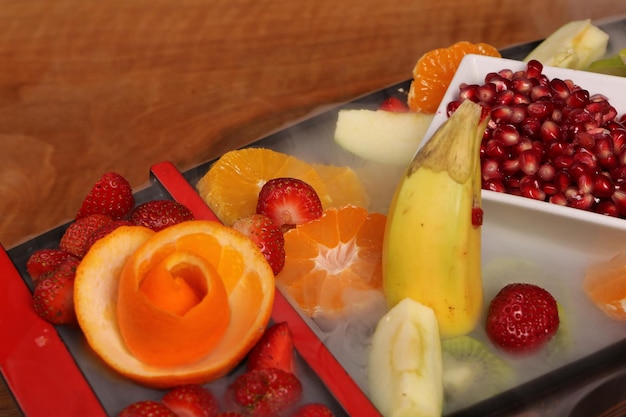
[534,69]
[521,85]
[531,127]
[559,88]
[562,181]
[578,99]
[539,91]
[477,217]
[507,134]
[494,184]
[551,131]
[505,97]
[499,82]
[582,201]
[603,186]
[546,172]
[585,184]
[558,199]
[510,166]
[608,208]
[491,169]
[619,198]
[495,149]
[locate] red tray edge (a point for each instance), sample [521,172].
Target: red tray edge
[308,345]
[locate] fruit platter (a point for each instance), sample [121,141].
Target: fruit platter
[545,224]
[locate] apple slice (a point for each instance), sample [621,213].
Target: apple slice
[613,65]
[574,45]
[381,136]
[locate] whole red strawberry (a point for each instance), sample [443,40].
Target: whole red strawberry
[159,214]
[105,230]
[268,237]
[44,261]
[273,350]
[288,202]
[522,318]
[53,296]
[313,410]
[264,392]
[191,401]
[111,195]
[147,409]
[76,239]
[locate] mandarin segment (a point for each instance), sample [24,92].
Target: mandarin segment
[434,71]
[605,285]
[249,295]
[332,258]
[232,184]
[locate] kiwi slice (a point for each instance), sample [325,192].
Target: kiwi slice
[471,372]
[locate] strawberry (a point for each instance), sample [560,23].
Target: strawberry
[44,261]
[111,195]
[522,318]
[267,236]
[289,201]
[159,214]
[264,392]
[394,104]
[146,409]
[53,296]
[105,230]
[273,350]
[191,401]
[75,240]
[313,410]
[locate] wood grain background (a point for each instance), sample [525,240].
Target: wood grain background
[90,86]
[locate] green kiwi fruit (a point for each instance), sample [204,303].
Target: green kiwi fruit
[471,372]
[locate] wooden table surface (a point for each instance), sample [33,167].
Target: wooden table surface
[93,86]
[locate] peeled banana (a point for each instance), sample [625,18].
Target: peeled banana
[432,246]
[405,363]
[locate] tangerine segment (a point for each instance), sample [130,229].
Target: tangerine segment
[232,184]
[328,257]
[434,71]
[605,285]
[166,319]
[249,286]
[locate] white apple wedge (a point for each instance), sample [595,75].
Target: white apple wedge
[381,136]
[405,362]
[574,45]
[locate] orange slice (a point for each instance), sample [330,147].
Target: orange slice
[605,285]
[220,296]
[232,184]
[434,71]
[333,259]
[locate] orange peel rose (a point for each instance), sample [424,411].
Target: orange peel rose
[183,305]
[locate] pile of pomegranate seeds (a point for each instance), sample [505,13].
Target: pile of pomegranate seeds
[550,140]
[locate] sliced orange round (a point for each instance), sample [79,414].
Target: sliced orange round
[434,71]
[220,297]
[605,285]
[334,260]
[232,184]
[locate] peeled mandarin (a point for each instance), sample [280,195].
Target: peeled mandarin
[196,260]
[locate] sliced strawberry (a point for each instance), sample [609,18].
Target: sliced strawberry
[53,296]
[44,261]
[394,104]
[522,318]
[159,214]
[76,238]
[273,350]
[111,195]
[288,202]
[268,237]
[313,410]
[264,392]
[191,401]
[146,409]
